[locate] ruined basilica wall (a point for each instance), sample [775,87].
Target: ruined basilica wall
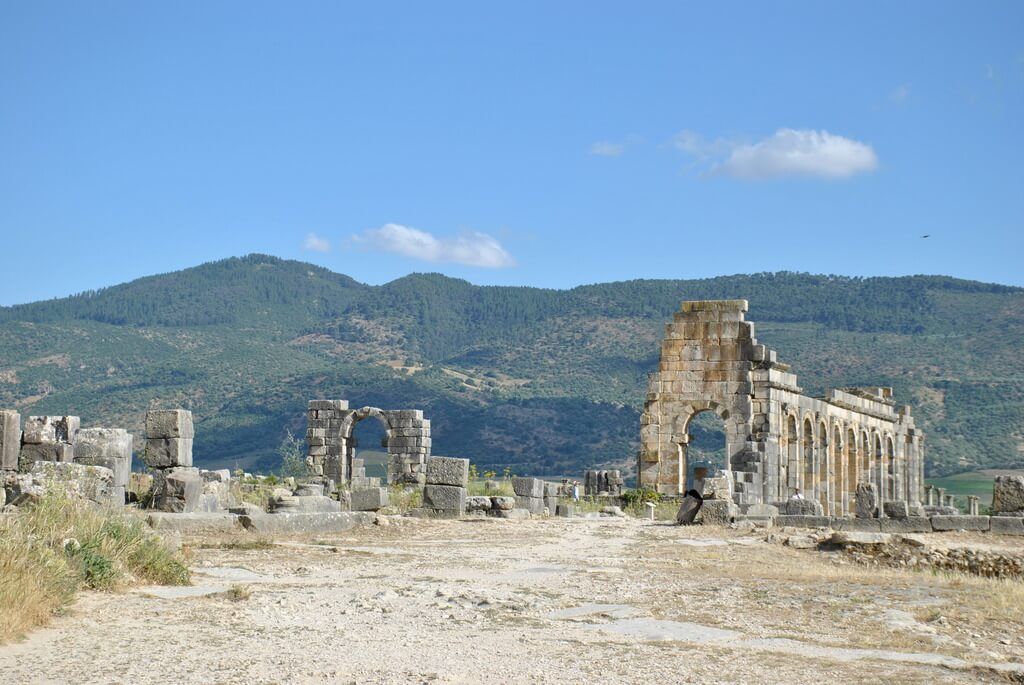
[777,438]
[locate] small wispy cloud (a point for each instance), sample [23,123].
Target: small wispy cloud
[609,148]
[471,248]
[315,243]
[788,152]
[899,94]
[604,148]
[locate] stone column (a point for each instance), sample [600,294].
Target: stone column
[972,505]
[929,496]
[10,439]
[941,497]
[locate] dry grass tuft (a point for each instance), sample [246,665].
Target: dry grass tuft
[50,550]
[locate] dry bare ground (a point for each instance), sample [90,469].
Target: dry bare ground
[544,601]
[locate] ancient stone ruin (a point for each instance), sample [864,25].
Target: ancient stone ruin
[332,450]
[777,439]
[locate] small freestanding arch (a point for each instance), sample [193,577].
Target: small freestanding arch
[331,449]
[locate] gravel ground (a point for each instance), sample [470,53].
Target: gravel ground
[543,601]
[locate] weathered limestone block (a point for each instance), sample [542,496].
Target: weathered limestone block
[565,511]
[845,538]
[177,490]
[858,525]
[534,505]
[445,497]
[501,503]
[514,514]
[285,502]
[217,495]
[1008,494]
[10,439]
[162,453]
[307,489]
[478,503]
[718,512]
[803,507]
[448,471]
[169,423]
[305,524]
[909,524]
[47,451]
[218,476]
[44,429]
[369,499]
[108,447]
[762,510]
[197,523]
[528,487]
[718,486]
[803,521]
[896,510]
[866,501]
[95,483]
[946,523]
[1007,525]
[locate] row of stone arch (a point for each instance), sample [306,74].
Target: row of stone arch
[827,462]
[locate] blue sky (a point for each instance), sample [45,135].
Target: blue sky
[534,143]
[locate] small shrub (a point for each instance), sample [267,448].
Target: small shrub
[238,593]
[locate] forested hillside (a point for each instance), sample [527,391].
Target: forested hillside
[543,381]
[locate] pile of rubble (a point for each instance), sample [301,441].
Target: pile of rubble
[908,551]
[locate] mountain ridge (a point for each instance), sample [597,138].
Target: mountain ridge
[544,380]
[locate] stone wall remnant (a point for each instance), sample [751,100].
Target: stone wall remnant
[778,440]
[48,438]
[177,485]
[445,491]
[110,448]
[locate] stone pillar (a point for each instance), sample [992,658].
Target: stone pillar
[972,505]
[177,485]
[929,496]
[941,497]
[10,439]
[950,501]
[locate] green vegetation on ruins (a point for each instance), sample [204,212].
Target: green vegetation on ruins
[546,382]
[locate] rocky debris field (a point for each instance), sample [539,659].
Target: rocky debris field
[538,601]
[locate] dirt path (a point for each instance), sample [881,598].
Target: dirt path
[552,601]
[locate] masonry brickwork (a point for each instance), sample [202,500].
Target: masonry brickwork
[331,448]
[778,439]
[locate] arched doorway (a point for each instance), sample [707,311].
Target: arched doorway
[790,471]
[850,449]
[368,449]
[707,449]
[809,483]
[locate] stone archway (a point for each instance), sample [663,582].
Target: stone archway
[689,472]
[331,448]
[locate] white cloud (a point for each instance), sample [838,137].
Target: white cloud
[899,94]
[787,152]
[471,248]
[799,153]
[604,148]
[315,243]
